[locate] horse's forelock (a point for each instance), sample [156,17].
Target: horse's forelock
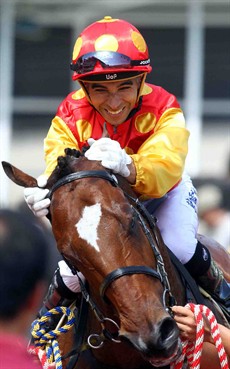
[65,165]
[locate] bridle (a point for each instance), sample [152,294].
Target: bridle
[147,222]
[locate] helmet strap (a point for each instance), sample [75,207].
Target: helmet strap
[136,109]
[85,91]
[141,86]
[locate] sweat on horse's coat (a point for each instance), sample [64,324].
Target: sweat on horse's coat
[87,226]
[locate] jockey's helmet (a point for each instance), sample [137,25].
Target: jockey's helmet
[110,50]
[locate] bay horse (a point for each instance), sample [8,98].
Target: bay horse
[103,231]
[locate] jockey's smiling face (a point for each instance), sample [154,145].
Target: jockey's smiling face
[114,100]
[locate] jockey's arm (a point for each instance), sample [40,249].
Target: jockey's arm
[59,138]
[186,322]
[160,160]
[210,358]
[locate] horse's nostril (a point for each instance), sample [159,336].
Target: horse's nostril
[168,330]
[163,341]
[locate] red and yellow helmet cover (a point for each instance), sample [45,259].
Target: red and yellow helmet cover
[115,35]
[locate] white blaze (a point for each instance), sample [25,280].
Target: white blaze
[88,224]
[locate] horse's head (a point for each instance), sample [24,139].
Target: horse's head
[101,234]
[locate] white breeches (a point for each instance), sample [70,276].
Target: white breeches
[178,220]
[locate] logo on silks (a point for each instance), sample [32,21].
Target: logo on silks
[111,76]
[192,199]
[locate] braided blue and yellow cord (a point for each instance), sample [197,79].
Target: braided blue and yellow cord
[48,340]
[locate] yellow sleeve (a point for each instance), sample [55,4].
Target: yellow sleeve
[160,160]
[59,137]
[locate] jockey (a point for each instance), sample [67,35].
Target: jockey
[146,142]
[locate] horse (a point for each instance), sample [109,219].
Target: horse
[103,231]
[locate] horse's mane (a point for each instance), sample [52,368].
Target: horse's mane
[65,164]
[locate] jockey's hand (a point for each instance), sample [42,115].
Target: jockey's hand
[186,322]
[71,281]
[111,155]
[35,197]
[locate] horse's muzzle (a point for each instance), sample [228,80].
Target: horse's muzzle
[159,362]
[162,345]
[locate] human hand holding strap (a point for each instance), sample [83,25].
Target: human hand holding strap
[111,155]
[35,197]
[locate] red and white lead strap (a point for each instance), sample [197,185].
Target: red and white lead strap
[193,351]
[41,354]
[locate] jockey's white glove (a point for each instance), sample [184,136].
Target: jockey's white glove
[111,155]
[35,197]
[70,280]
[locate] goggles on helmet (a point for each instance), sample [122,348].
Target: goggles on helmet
[107,59]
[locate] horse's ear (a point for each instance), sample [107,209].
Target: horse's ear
[17,176]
